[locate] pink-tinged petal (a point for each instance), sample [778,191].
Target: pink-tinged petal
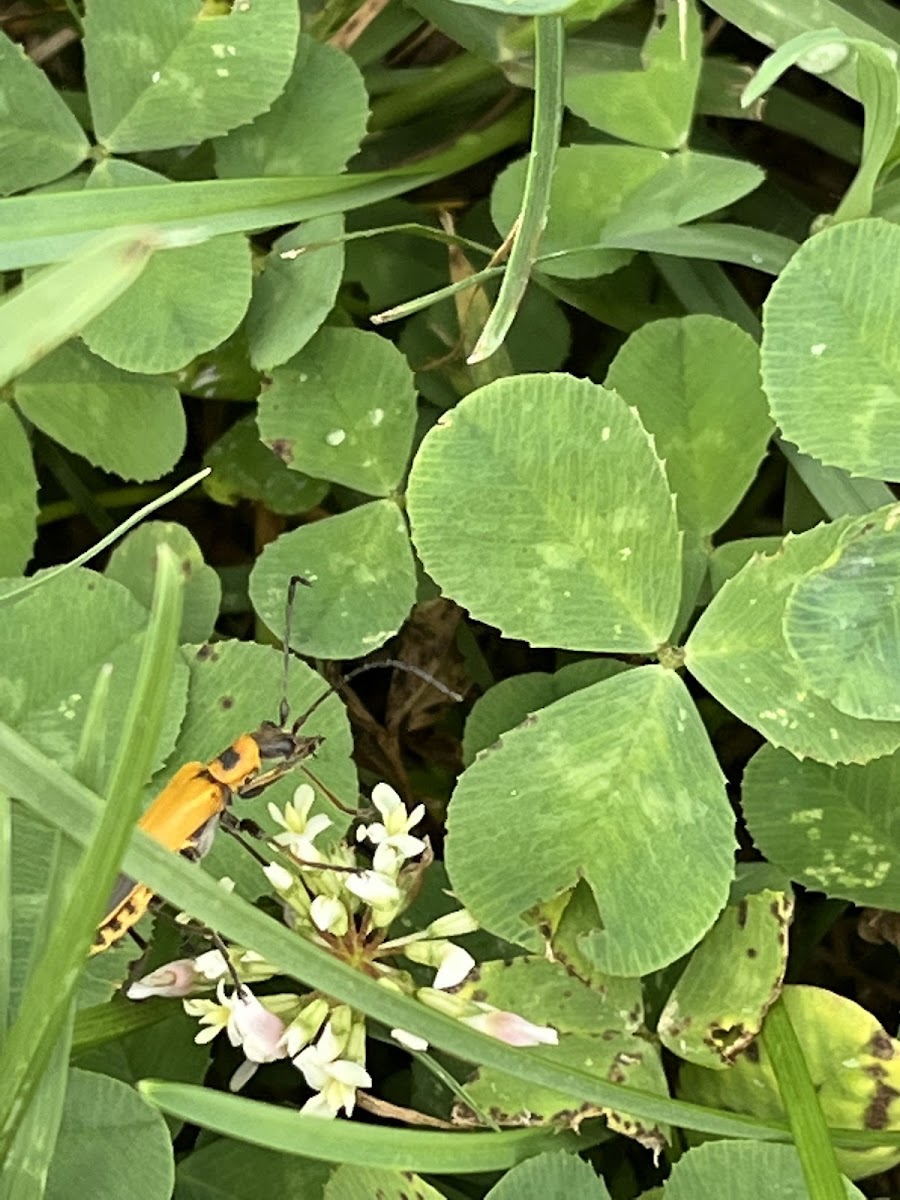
[511,1028]
[258,1031]
[175,979]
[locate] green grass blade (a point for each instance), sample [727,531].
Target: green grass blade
[113,536]
[46,310]
[46,227]
[756,248]
[550,44]
[27,1166]
[807,1121]
[51,985]
[349,1142]
[476,279]
[102,1023]
[6,898]
[704,287]
[838,493]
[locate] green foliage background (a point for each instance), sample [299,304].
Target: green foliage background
[564,364]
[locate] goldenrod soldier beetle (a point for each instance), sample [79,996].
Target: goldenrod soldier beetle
[185,815]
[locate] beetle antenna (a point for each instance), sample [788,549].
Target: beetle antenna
[284,709]
[395,664]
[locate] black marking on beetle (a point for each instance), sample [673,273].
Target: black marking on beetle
[227,702]
[229,758]
[743,909]
[187,568]
[752,1052]
[752,952]
[207,652]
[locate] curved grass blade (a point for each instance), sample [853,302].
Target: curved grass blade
[348,1142]
[550,43]
[51,984]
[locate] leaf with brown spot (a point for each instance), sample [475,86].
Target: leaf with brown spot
[858,1089]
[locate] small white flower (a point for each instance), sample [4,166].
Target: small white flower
[212,965]
[178,978]
[452,962]
[335,1079]
[280,877]
[395,824]
[214,1014]
[387,860]
[300,829]
[411,1041]
[373,887]
[329,915]
[455,966]
[509,1027]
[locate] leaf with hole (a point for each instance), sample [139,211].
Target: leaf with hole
[732,979]
[854,1065]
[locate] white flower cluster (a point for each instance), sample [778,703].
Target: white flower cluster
[346,906]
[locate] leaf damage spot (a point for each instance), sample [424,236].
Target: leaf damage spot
[282,448]
[881,1046]
[877,1113]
